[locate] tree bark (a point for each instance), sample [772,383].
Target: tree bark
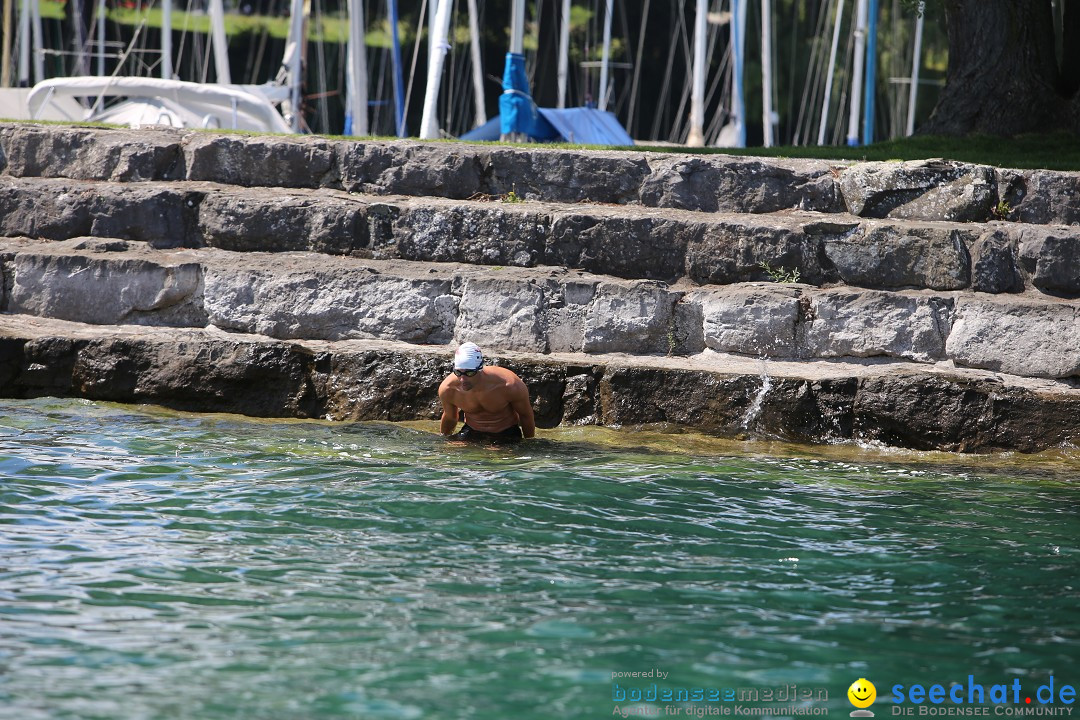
[1002,77]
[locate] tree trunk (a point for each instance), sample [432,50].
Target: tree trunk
[1002,77]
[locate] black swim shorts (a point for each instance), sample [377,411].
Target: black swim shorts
[509,435]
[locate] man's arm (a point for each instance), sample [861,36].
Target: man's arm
[519,403]
[449,414]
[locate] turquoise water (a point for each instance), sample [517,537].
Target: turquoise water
[163,565]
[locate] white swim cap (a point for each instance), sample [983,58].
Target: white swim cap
[468,357]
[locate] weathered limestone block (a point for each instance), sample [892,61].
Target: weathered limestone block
[844,323]
[1051,256]
[59,209]
[108,283]
[732,250]
[272,220]
[894,255]
[633,317]
[920,190]
[752,319]
[483,234]
[567,310]
[329,300]
[375,384]
[630,247]
[1041,196]
[90,154]
[994,266]
[1020,337]
[503,312]
[259,161]
[559,176]
[409,168]
[579,399]
[730,184]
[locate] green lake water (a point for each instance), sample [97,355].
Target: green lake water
[166,565]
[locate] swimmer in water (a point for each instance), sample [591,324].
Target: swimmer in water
[495,401]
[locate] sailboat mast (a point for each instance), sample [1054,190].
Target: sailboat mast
[916,62]
[166,40]
[221,51]
[399,83]
[871,74]
[564,51]
[696,138]
[356,77]
[857,75]
[477,68]
[429,123]
[766,73]
[101,38]
[738,103]
[606,57]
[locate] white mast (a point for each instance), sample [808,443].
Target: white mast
[696,138]
[739,102]
[604,60]
[166,40]
[766,73]
[429,123]
[857,75]
[38,47]
[517,27]
[564,51]
[356,88]
[916,61]
[477,69]
[101,38]
[829,77]
[221,51]
[24,44]
[292,64]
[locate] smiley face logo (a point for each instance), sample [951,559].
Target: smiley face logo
[862,694]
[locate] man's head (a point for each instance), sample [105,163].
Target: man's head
[468,360]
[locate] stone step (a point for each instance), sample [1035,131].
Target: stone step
[623,241]
[299,295]
[208,370]
[934,190]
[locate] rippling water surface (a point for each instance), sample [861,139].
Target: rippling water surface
[161,565]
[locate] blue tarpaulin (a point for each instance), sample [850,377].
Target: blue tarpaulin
[585,126]
[519,115]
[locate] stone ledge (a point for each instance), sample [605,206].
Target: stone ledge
[934,190]
[923,407]
[623,241]
[538,310]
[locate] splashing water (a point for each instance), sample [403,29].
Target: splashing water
[759,399]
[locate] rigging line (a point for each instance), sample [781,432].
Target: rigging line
[415,53]
[815,79]
[792,71]
[183,39]
[681,128]
[320,68]
[718,76]
[665,90]
[840,129]
[819,85]
[717,122]
[631,119]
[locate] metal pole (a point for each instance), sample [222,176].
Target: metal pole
[564,52]
[221,51]
[696,137]
[916,63]
[399,84]
[429,124]
[871,74]
[829,78]
[605,58]
[166,40]
[356,120]
[24,44]
[517,27]
[477,69]
[101,38]
[766,73]
[857,76]
[5,61]
[38,46]
[739,50]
